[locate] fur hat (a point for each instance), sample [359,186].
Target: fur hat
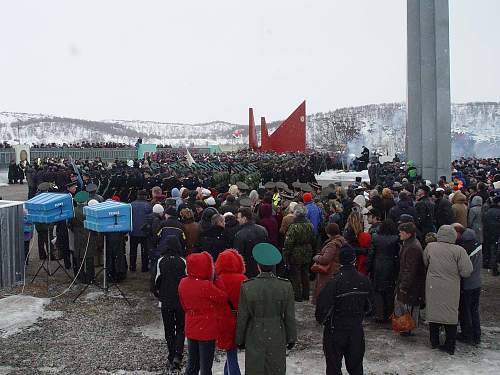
[158,209]
[210,201]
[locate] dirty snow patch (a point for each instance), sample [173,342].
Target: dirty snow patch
[92,296]
[51,370]
[4,370]
[153,330]
[20,312]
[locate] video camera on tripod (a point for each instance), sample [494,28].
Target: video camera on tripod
[107,217]
[50,208]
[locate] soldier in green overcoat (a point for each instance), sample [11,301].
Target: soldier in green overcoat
[266,316]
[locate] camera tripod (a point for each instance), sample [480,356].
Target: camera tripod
[105,284]
[45,265]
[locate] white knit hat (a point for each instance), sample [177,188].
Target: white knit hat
[291,206]
[210,201]
[360,201]
[92,202]
[158,209]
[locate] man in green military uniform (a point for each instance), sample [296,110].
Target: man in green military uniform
[266,316]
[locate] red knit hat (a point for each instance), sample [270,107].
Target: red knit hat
[307,197]
[116,198]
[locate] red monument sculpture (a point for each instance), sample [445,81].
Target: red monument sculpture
[252,133]
[265,141]
[289,136]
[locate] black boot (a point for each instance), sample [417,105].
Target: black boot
[445,349]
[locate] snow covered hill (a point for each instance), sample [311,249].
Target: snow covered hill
[475,127]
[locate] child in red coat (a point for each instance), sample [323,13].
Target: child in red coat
[202,299]
[230,269]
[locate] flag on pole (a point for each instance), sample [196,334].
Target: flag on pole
[189,158]
[77,171]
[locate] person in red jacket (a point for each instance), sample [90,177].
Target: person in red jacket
[364,242]
[202,299]
[230,268]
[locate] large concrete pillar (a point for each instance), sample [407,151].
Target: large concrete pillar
[428,128]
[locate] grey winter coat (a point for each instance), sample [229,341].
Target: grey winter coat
[475,218]
[446,263]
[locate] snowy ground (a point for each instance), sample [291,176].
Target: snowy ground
[387,352]
[20,312]
[99,335]
[3,181]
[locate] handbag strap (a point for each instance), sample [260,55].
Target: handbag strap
[480,247]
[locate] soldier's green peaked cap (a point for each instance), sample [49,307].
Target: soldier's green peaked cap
[81,197]
[266,254]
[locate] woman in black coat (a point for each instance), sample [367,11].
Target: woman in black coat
[383,267]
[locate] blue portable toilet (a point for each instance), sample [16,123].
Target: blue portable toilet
[107,217]
[50,208]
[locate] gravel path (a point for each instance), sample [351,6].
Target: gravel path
[93,335]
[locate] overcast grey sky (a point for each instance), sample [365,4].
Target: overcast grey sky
[198,60]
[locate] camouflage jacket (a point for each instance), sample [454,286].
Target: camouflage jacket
[300,242]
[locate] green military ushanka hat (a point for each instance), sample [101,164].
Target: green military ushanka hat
[266,254]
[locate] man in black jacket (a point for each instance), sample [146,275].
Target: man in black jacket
[213,240]
[341,307]
[167,228]
[169,271]
[249,235]
[425,211]
[443,212]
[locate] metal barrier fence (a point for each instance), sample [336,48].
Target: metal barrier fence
[11,243]
[107,154]
[6,155]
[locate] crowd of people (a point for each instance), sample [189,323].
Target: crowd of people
[169,169]
[228,261]
[80,145]
[83,144]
